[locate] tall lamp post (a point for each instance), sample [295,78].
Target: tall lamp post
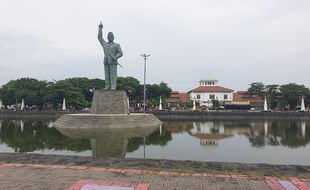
[144,89]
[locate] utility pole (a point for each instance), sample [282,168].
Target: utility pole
[144,89]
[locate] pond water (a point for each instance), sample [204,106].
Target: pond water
[246,141]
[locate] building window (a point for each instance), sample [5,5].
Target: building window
[225,96]
[198,96]
[212,96]
[209,83]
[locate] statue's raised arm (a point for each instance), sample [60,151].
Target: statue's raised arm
[100,38]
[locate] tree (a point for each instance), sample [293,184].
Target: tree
[273,94]
[257,88]
[291,94]
[215,104]
[154,92]
[29,89]
[131,86]
[78,91]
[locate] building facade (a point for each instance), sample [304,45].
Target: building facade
[208,90]
[176,98]
[253,101]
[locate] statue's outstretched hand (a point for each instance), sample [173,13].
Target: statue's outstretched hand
[100,25]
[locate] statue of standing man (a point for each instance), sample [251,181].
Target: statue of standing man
[112,51]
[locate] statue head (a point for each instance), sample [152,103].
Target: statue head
[110,37]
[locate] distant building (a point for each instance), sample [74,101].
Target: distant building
[242,98]
[208,90]
[176,98]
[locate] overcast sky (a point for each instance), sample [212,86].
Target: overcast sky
[236,41]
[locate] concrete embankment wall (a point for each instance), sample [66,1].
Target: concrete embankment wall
[32,115]
[171,115]
[233,115]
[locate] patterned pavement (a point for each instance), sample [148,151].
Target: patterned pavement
[38,176]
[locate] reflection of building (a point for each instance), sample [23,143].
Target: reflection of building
[207,128]
[175,126]
[208,90]
[211,139]
[209,133]
[259,133]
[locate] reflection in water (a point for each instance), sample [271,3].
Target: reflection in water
[209,133]
[266,127]
[260,133]
[260,141]
[108,142]
[50,124]
[303,129]
[21,125]
[30,136]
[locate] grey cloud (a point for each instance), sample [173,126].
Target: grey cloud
[237,41]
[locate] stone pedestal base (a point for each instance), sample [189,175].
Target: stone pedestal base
[109,102]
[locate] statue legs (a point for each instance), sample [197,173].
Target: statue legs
[110,76]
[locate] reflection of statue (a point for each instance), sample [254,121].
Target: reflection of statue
[112,51]
[108,142]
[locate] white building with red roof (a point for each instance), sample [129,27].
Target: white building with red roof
[208,90]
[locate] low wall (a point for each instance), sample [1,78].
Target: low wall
[50,115]
[171,115]
[230,115]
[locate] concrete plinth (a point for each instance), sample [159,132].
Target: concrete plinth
[106,121]
[109,125]
[109,102]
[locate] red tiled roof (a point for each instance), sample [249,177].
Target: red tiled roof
[211,89]
[177,97]
[184,97]
[242,96]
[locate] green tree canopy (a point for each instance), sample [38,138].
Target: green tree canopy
[29,89]
[291,94]
[154,92]
[281,96]
[78,91]
[257,88]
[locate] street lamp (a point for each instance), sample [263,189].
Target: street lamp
[144,89]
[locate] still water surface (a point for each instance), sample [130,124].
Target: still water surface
[274,142]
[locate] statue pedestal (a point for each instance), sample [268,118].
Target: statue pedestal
[109,102]
[109,125]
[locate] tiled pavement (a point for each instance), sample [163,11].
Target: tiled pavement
[37,176]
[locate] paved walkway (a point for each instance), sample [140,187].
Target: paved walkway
[39,176]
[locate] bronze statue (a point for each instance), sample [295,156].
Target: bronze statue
[112,51]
